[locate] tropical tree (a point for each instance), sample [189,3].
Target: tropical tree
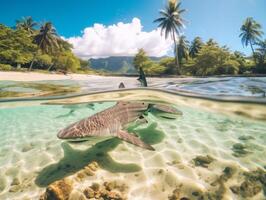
[215,60]
[47,40]
[195,46]
[16,47]
[27,24]
[143,62]
[169,64]
[212,42]
[262,48]
[239,54]
[182,49]
[171,23]
[67,61]
[250,33]
[260,56]
[141,59]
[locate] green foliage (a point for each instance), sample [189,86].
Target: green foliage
[27,24]
[27,47]
[141,60]
[169,65]
[214,60]
[153,68]
[260,57]
[67,61]
[5,67]
[43,61]
[84,64]
[195,46]
[228,67]
[16,46]
[182,49]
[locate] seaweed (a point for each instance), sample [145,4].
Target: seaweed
[44,89]
[254,182]
[244,138]
[203,161]
[239,150]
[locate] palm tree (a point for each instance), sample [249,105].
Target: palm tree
[171,23]
[260,53]
[47,40]
[195,46]
[239,54]
[26,23]
[262,47]
[211,42]
[182,49]
[250,33]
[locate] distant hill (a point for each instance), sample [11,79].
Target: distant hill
[119,64]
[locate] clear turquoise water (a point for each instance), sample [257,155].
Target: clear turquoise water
[231,87]
[31,152]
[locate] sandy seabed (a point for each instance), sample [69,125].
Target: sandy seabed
[198,155]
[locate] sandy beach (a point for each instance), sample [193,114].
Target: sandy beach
[36,76]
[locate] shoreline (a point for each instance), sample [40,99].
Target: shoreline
[38,76]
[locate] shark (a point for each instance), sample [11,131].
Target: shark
[113,122]
[109,123]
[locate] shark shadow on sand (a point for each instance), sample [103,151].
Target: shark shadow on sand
[75,160]
[150,135]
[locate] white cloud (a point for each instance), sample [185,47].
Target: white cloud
[121,39]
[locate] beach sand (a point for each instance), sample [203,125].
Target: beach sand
[36,76]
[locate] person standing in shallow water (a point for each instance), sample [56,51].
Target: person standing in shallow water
[142,78]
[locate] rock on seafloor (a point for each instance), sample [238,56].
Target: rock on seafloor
[59,190]
[64,189]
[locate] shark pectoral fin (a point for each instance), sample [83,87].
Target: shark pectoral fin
[164,108]
[123,135]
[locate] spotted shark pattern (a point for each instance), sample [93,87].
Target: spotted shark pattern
[108,123]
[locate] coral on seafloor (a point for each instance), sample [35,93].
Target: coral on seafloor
[59,190]
[64,189]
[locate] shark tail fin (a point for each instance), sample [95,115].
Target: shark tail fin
[123,135]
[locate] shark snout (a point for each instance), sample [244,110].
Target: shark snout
[61,134]
[66,133]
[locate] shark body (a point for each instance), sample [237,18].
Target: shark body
[108,123]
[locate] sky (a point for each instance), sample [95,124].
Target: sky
[121,27]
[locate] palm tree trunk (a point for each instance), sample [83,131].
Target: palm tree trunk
[175,53]
[50,67]
[18,65]
[252,48]
[31,64]
[251,45]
